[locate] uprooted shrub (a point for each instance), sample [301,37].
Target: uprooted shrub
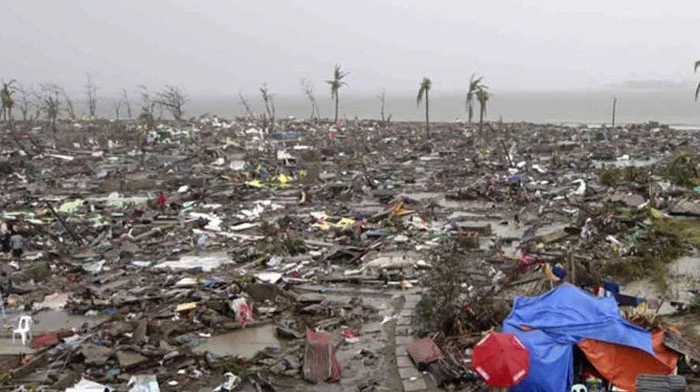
[683,170]
[614,175]
[444,279]
[653,251]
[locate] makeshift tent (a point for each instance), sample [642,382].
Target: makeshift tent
[549,326]
[621,364]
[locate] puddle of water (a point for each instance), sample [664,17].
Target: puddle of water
[551,228]
[207,262]
[473,205]
[511,230]
[8,348]
[244,343]
[421,196]
[55,320]
[442,201]
[682,275]
[627,163]
[463,215]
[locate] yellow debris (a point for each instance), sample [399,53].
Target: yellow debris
[186,306]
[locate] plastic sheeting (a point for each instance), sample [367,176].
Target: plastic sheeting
[549,326]
[621,364]
[89,386]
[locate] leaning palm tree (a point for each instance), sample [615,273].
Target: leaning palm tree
[482,96]
[7,101]
[336,83]
[474,86]
[424,90]
[697,89]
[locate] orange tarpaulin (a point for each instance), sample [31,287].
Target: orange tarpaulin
[621,364]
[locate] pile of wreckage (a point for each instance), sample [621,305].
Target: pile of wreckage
[214,255]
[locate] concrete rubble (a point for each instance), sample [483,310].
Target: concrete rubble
[321,257]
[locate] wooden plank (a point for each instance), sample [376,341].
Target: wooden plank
[682,345]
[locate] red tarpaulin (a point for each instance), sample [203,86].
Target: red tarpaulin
[621,364]
[501,360]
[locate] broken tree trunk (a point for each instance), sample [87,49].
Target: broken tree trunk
[78,240]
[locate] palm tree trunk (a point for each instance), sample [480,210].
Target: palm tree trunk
[337,98]
[481,118]
[427,115]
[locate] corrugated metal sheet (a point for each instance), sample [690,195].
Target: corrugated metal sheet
[424,352]
[655,383]
[686,207]
[320,363]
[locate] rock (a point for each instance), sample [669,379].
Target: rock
[629,200]
[140,332]
[129,359]
[15,301]
[66,379]
[95,355]
[262,291]
[37,271]
[119,328]
[213,318]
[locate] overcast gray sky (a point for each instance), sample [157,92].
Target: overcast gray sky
[222,46]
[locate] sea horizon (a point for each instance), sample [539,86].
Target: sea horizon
[675,107]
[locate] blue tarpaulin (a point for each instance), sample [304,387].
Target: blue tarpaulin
[555,322]
[515,179]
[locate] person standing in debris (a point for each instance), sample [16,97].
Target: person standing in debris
[143,141]
[6,244]
[162,201]
[17,244]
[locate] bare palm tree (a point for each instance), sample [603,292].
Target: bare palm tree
[25,100]
[308,89]
[51,102]
[474,86]
[483,97]
[697,89]
[336,83]
[91,93]
[269,101]
[382,101]
[424,90]
[7,101]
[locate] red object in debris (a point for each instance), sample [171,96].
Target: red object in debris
[48,339]
[161,200]
[424,352]
[528,262]
[348,334]
[246,315]
[350,337]
[501,360]
[320,363]
[73,278]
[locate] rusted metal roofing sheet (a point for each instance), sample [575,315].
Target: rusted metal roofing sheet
[424,352]
[320,363]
